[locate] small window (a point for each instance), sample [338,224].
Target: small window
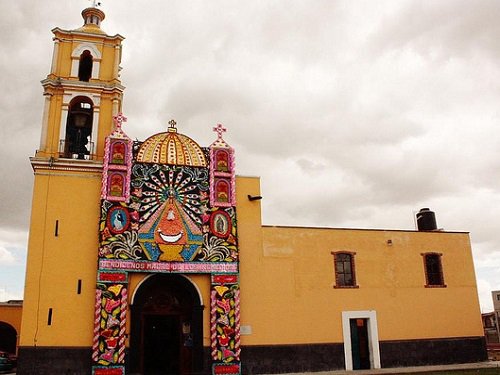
[345,276]
[433,270]
[498,297]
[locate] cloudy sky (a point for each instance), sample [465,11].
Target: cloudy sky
[354,113]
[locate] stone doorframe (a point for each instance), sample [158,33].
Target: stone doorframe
[373,342]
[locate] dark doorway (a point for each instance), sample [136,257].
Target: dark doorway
[162,340]
[167,330]
[8,338]
[359,344]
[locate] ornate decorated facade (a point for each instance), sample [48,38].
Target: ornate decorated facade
[167,206]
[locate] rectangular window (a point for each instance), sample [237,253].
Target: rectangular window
[345,276]
[433,270]
[49,317]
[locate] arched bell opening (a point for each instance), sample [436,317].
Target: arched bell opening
[85,66]
[78,143]
[166,327]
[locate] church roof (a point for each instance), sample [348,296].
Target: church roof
[171,148]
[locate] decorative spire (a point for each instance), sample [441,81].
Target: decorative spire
[219,129]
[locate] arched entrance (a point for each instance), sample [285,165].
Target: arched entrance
[8,338]
[167,327]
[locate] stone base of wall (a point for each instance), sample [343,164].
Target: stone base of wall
[405,353]
[275,359]
[54,360]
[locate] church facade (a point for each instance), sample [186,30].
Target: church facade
[149,257]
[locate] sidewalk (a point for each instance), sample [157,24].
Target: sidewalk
[396,370]
[411,370]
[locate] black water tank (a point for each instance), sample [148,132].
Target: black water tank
[426,220]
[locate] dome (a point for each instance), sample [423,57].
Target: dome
[171,148]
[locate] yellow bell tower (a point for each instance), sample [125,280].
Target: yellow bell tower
[82,94]
[82,91]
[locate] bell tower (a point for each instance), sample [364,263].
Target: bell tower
[82,94]
[82,91]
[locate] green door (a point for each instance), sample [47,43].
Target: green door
[359,344]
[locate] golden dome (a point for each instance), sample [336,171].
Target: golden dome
[171,148]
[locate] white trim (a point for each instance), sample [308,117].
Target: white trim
[74,67]
[116,67]
[55,56]
[96,59]
[64,120]
[154,274]
[373,342]
[116,103]
[96,101]
[96,66]
[45,122]
[95,130]
[94,51]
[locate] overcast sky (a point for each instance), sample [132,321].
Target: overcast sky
[353,113]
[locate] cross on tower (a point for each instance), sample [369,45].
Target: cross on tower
[118,120]
[172,124]
[219,129]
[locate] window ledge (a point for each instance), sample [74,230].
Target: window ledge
[346,287]
[436,286]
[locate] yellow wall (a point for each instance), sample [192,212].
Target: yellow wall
[55,264]
[73,255]
[286,274]
[289,296]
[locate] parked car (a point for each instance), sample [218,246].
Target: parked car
[7,361]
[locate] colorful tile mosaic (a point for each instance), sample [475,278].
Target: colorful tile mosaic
[111,305]
[167,206]
[225,318]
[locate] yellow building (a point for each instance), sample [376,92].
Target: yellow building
[10,325]
[150,257]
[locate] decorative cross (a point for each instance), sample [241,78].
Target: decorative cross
[219,129]
[119,119]
[95,3]
[172,124]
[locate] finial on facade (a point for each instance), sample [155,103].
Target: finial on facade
[119,119]
[96,3]
[172,126]
[219,129]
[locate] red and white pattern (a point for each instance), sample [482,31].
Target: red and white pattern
[97,326]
